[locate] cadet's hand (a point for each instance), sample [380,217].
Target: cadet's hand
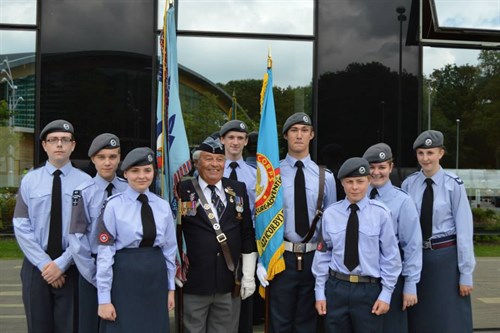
[262,275]
[247,287]
[107,312]
[51,272]
[465,290]
[380,307]
[409,300]
[59,282]
[171,300]
[321,307]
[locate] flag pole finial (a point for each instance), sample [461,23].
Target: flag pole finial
[269,58]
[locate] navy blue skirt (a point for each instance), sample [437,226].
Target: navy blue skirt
[139,292]
[440,307]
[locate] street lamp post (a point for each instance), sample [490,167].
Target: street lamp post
[401,18]
[458,143]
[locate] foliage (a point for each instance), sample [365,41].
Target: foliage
[487,250]
[7,206]
[471,94]
[486,219]
[9,249]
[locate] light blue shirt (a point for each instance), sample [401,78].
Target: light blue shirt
[311,176]
[406,225]
[88,200]
[378,247]
[451,215]
[246,174]
[32,214]
[122,220]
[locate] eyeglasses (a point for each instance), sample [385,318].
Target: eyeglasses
[54,141]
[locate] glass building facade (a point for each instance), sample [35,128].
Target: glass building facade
[357,67]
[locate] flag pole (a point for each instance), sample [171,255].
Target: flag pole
[267,307]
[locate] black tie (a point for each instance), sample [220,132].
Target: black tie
[148,222]
[109,189]
[426,210]
[233,174]
[216,201]
[54,246]
[301,215]
[373,193]
[351,256]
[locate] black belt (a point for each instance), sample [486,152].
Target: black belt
[354,278]
[440,243]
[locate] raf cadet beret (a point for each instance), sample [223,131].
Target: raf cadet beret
[378,153]
[296,118]
[59,125]
[138,157]
[103,141]
[429,139]
[354,167]
[212,145]
[233,125]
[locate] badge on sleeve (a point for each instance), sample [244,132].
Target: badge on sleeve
[104,236]
[76,197]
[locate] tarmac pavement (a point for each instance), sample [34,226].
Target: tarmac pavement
[485,297]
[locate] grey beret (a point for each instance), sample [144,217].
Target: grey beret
[429,139]
[212,145]
[354,167]
[378,153]
[233,125]
[59,125]
[103,141]
[296,118]
[138,157]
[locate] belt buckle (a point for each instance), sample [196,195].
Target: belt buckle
[299,247]
[353,278]
[221,237]
[427,245]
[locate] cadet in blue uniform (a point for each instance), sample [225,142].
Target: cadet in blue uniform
[445,285]
[358,262]
[41,223]
[292,291]
[234,137]
[217,226]
[406,226]
[136,253]
[88,200]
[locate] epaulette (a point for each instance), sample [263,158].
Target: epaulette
[400,189]
[121,179]
[455,178]
[413,174]
[112,197]
[379,204]
[251,165]
[328,170]
[86,184]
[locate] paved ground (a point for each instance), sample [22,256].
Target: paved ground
[486,297]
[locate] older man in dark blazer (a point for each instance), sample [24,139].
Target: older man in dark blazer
[217,226]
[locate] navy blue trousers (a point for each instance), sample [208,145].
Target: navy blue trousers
[292,297]
[396,320]
[349,307]
[49,310]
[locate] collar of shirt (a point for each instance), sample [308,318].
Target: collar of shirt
[436,178]
[361,204]
[133,194]
[383,190]
[65,169]
[291,160]
[240,163]
[101,182]
[208,192]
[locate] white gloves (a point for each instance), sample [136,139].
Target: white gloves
[262,275]
[249,260]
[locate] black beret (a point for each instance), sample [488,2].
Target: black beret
[429,139]
[296,118]
[59,125]
[233,125]
[103,141]
[354,167]
[378,153]
[138,157]
[212,145]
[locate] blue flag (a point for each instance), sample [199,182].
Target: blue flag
[269,222]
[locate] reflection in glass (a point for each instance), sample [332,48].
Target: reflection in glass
[272,17]
[17,118]
[18,12]
[237,66]
[478,14]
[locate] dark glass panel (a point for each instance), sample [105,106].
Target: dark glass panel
[96,69]
[358,67]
